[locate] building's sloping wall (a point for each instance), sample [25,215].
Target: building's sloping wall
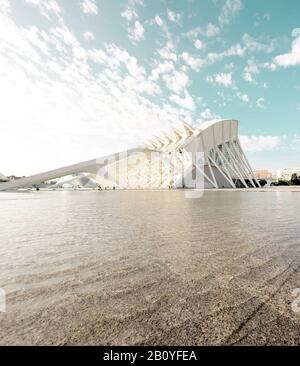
[224,162]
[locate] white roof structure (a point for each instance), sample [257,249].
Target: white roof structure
[224,164]
[3,178]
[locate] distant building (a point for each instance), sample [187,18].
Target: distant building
[263,174]
[14,177]
[287,173]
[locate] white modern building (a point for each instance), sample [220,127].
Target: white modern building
[3,178]
[212,149]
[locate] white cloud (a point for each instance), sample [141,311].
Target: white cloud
[229,66]
[236,50]
[296,32]
[194,32]
[173,17]
[65,107]
[260,102]
[296,139]
[253,45]
[162,68]
[269,66]
[260,143]
[47,8]
[224,79]
[198,44]
[209,31]
[291,58]
[158,20]
[194,62]
[164,27]
[250,70]
[88,36]
[167,52]
[176,81]
[134,26]
[233,51]
[137,32]
[129,13]
[261,19]
[89,7]
[253,69]
[248,77]
[230,9]
[5,6]
[243,97]
[208,115]
[187,102]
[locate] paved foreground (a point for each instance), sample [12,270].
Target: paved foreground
[150,268]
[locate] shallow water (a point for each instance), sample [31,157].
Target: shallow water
[149,267]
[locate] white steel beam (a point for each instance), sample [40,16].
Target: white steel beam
[247,163]
[242,163]
[221,171]
[219,153]
[234,163]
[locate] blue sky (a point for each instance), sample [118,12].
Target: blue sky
[83,78]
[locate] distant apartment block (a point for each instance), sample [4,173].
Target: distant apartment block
[287,173]
[263,174]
